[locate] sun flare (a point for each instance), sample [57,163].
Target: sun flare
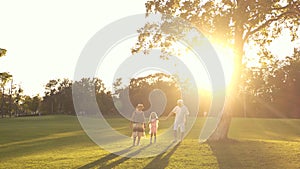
[198,68]
[226,56]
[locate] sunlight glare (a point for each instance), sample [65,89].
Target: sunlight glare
[226,57]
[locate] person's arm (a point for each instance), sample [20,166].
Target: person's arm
[186,114]
[187,111]
[170,114]
[132,116]
[145,120]
[132,119]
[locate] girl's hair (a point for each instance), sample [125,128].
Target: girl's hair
[155,115]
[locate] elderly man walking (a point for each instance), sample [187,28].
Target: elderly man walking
[181,112]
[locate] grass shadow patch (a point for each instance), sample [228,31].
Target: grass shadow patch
[162,160]
[254,154]
[105,158]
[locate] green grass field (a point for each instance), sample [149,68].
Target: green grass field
[59,142]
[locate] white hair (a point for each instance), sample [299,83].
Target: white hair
[180,101]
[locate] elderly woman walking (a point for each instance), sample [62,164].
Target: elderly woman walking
[138,124]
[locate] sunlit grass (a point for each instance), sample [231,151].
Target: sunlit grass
[59,142]
[265,129]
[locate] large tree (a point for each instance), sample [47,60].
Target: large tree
[234,23]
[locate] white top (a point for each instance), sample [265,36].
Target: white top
[181,113]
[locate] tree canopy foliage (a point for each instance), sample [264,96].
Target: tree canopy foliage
[2,52]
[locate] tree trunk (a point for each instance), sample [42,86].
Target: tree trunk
[222,129]
[2,103]
[52,106]
[10,99]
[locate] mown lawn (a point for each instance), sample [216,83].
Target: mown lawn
[60,142]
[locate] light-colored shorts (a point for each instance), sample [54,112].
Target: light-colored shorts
[179,125]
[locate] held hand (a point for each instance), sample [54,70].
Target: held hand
[164,118]
[131,125]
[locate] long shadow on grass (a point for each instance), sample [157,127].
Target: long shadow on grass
[34,147]
[115,163]
[226,153]
[255,154]
[111,156]
[160,161]
[246,154]
[105,158]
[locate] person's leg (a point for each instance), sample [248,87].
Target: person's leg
[133,143]
[175,135]
[182,129]
[181,136]
[155,137]
[134,134]
[175,129]
[151,138]
[138,141]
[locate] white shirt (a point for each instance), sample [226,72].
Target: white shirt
[181,113]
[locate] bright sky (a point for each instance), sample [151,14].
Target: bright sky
[108,71]
[44,38]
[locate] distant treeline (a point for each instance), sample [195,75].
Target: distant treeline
[273,90]
[262,93]
[58,95]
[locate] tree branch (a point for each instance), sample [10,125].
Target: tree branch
[268,22]
[280,8]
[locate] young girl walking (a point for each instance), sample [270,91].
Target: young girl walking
[153,125]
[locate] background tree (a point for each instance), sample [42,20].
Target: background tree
[17,95]
[4,78]
[234,23]
[92,88]
[140,90]
[2,52]
[58,97]
[50,98]
[287,84]
[66,96]
[273,90]
[30,105]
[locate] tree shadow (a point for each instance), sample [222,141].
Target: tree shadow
[226,154]
[160,161]
[249,154]
[105,158]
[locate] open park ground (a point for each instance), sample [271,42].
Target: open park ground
[60,142]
